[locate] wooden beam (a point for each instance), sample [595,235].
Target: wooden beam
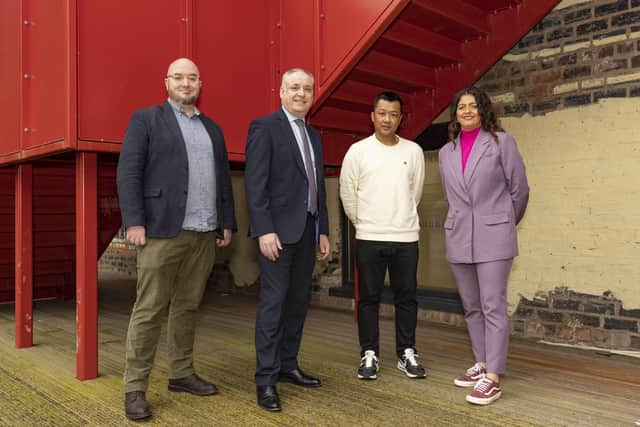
[86,265]
[24,255]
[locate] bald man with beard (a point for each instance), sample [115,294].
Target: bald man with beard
[177,206]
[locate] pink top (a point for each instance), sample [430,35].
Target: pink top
[467,138]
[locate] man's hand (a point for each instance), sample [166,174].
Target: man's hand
[324,247]
[270,246]
[136,235]
[227,239]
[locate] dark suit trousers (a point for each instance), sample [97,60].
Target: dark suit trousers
[285,287]
[373,259]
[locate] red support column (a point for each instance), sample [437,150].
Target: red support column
[24,255]
[86,265]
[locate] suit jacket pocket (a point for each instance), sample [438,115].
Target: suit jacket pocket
[152,192]
[495,219]
[448,223]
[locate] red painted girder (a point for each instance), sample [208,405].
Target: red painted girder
[493,5]
[362,94]
[392,68]
[86,265]
[424,40]
[334,118]
[457,10]
[24,255]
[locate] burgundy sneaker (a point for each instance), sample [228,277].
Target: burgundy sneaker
[484,392]
[471,377]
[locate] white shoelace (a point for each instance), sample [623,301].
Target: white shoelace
[410,357]
[475,370]
[483,385]
[369,358]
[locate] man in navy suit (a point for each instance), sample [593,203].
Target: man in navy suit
[288,215]
[177,205]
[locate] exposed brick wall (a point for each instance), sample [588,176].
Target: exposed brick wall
[577,318]
[575,56]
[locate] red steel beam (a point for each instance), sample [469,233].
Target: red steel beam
[86,265]
[423,40]
[359,92]
[457,10]
[24,255]
[394,68]
[339,119]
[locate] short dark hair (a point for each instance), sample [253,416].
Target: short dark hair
[389,97]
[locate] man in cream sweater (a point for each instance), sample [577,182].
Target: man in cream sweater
[380,187]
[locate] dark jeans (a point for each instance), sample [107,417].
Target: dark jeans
[373,259]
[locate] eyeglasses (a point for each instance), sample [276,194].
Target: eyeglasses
[191,78]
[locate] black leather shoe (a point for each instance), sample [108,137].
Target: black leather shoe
[193,384]
[136,407]
[268,397]
[298,377]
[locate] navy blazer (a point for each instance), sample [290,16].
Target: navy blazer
[276,182]
[153,173]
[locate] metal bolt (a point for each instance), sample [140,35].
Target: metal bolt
[25,22]
[26,76]
[26,129]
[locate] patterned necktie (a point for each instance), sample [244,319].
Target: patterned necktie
[311,177]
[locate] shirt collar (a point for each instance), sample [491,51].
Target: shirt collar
[176,108]
[290,116]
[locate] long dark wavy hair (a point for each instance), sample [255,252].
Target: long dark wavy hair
[488,118]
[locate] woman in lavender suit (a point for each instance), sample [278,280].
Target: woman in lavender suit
[484,181]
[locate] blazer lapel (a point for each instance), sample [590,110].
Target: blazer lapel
[456,155]
[172,123]
[287,132]
[479,147]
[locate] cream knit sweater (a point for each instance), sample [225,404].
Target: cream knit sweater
[380,188]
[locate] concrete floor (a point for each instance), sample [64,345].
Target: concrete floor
[544,386]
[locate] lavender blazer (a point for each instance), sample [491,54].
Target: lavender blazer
[485,203]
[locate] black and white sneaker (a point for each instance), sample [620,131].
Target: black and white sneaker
[368,369]
[409,364]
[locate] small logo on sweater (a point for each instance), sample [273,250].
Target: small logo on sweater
[404,162]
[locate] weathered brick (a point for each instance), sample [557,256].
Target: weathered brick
[627,325]
[550,316]
[625,19]
[616,6]
[608,34]
[600,336]
[564,332]
[592,27]
[540,107]
[550,329]
[578,15]
[549,21]
[523,311]
[549,63]
[515,109]
[610,65]
[533,303]
[634,342]
[560,33]
[587,320]
[586,56]
[615,93]
[635,61]
[570,59]
[635,91]
[589,307]
[534,329]
[630,313]
[583,334]
[530,41]
[580,71]
[619,339]
[565,304]
[547,77]
[623,48]
[517,327]
[635,3]
[605,52]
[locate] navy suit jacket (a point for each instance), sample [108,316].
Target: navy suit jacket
[153,173]
[276,182]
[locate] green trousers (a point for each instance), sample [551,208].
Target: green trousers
[172,277]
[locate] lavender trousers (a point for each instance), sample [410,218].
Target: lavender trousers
[483,290]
